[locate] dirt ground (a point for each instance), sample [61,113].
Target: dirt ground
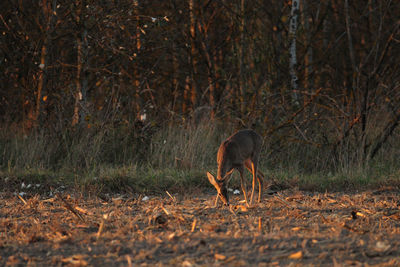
[288,228]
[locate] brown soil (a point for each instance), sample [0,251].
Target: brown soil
[290,227]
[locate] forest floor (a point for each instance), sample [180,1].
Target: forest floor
[289,227]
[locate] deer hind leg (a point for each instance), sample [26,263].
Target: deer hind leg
[260,177]
[243,184]
[253,184]
[253,169]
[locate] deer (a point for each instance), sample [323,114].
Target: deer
[239,151]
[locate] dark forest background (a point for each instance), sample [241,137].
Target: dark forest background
[160,83]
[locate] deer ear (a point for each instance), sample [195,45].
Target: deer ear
[212,180]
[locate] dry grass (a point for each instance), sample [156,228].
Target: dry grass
[288,227]
[150,159]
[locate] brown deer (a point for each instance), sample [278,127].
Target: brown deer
[240,150]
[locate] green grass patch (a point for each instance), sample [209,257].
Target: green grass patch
[144,180]
[148,180]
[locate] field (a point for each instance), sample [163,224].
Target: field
[289,227]
[112,112]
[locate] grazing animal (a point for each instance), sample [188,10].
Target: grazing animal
[240,150]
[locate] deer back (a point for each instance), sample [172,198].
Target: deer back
[236,149]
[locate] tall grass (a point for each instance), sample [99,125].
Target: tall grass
[187,146]
[119,158]
[68,150]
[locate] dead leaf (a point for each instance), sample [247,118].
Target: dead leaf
[171,236]
[219,257]
[296,255]
[241,208]
[360,214]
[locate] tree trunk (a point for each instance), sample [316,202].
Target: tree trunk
[136,82]
[242,88]
[41,93]
[194,95]
[78,93]
[350,43]
[81,82]
[210,65]
[41,81]
[293,57]
[308,59]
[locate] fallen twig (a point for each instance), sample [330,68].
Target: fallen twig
[70,208]
[193,225]
[22,199]
[283,201]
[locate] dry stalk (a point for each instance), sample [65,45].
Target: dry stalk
[193,225]
[22,199]
[101,227]
[83,210]
[129,260]
[283,201]
[49,200]
[173,198]
[165,210]
[70,208]
[232,211]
